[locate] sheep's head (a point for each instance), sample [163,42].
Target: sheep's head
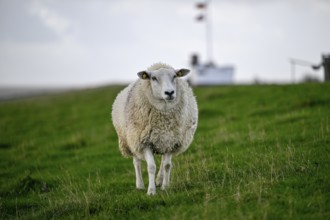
[163,82]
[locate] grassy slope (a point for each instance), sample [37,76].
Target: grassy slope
[259,152]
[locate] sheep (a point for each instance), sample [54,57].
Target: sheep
[156,114]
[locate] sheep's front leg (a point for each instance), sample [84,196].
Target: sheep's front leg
[160,175]
[138,173]
[167,165]
[151,171]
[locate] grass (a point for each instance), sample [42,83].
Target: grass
[260,152]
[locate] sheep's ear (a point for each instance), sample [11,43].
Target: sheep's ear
[143,75]
[182,72]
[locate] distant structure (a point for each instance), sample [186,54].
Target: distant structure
[326,66]
[325,63]
[210,74]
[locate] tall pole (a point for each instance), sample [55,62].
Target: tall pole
[209,48]
[293,70]
[205,16]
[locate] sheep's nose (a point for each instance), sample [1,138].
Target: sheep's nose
[169,94]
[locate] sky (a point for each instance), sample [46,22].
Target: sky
[75,43]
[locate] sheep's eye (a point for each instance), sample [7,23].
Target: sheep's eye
[154,79]
[174,77]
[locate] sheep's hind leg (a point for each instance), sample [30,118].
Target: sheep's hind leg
[160,175]
[151,171]
[167,164]
[138,173]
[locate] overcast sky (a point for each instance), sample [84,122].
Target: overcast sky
[94,42]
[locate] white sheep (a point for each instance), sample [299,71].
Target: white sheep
[155,114]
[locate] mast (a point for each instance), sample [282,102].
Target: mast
[205,16]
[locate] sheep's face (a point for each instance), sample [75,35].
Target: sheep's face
[163,82]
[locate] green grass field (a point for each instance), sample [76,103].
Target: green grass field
[260,152]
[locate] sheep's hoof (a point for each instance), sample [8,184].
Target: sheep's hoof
[151,192]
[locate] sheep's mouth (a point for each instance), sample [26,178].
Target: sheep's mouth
[169,99]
